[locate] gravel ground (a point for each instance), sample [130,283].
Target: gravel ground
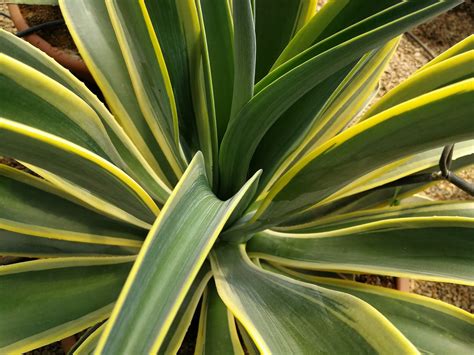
[5,22]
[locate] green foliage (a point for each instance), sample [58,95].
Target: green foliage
[234,163]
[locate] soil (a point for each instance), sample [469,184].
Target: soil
[57,36]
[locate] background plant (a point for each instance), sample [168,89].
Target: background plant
[282,185]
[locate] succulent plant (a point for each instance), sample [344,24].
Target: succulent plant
[234,165]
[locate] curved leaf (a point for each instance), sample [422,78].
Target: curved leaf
[276,22]
[123,197]
[217,333]
[350,154]
[334,16]
[284,316]
[447,72]
[168,262]
[467,44]
[429,248]
[244,54]
[74,293]
[427,209]
[31,206]
[382,196]
[319,115]
[434,327]
[89,19]
[134,162]
[259,114]
[33,99]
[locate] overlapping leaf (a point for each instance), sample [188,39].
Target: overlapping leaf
[431,248]
[434,327]
[283,315]
[170,259]
[64,297]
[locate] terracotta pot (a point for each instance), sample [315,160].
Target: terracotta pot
[403,284]
[72,62]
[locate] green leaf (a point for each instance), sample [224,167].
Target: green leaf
[33,99]
[217,333]
[276,22]
[467,44]
[203,94]
[183,318]
[424,161]
[89,344]
[429,248]
[74,293]
[434,327]
[105,183]
[244,54]
[89,19]
[22,210]
[426,209]
[352,153]
[147,69]
[436,76]
[382,196]
[219,37]
[169,261]
[271,100]
[319,115]
[25,245]
[284,316]
[332,18]
[134,162]
[390,13]
[169,26]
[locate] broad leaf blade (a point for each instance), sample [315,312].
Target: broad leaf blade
[382,196]
[429,248]
[319,115]
[125,199]
[134,162]
[217,333]
[170,259]
[219,36]
[350,154]
[74,293]
[89,19]
[304,318]
[333,17]
[244,54]
[258,115]
[434,327]
[147,69]
[31,206]
[33,99]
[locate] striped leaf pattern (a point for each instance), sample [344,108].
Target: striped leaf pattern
[229,171]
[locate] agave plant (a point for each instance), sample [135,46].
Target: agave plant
[238,170]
